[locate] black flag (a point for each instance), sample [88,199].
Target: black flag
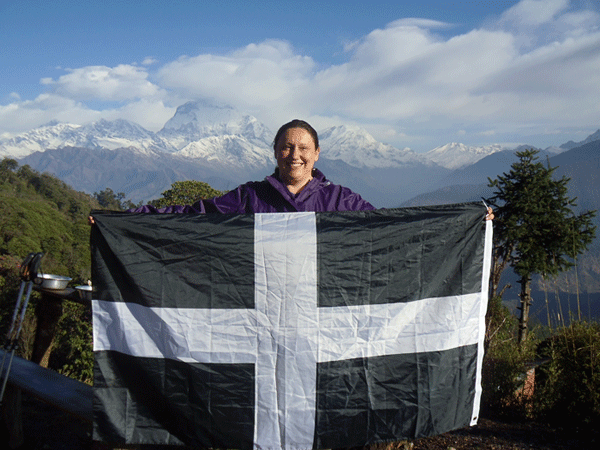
[288,330]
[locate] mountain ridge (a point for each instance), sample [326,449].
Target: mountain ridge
[225,147]
[197,120]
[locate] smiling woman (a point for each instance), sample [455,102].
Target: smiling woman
[297,149]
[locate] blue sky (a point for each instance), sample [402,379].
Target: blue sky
[415,74]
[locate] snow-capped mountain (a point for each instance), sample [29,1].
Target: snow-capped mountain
[219,134]
[120,134]
[356,147]
[229,149]
[194,121]
[51,135]
[225,147]
[455,155]
[101,134]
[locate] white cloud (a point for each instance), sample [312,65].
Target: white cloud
[120,83]
[257,74]
[536,68]
[20,116]
[151,114]
[23,115]
[533,13]
[406,73]
[149,60]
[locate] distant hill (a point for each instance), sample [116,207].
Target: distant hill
[139,176]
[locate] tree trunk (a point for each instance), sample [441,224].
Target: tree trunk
[525,304]
[499,263]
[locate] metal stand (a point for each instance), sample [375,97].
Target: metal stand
[28,272]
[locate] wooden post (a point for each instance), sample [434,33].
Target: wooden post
[48,313]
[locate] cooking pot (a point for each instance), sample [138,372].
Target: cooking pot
[49,281]
[85,292]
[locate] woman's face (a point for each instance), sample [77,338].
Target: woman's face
[296,155]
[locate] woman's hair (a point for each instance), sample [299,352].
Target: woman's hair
[296,123]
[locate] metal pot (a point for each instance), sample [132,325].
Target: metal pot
[49,281]
[85,292]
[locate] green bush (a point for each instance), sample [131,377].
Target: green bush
[568,385]
[504,365]
[73,354]
[185,193]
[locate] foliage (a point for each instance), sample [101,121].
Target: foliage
[40,213]
[113,201]
[535,228]
[504,365]
[186,193]
[73,354]
[568,385]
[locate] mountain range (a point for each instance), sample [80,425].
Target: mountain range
[224,147]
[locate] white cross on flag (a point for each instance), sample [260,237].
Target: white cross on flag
[288,330]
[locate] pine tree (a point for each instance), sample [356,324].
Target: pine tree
[536,231]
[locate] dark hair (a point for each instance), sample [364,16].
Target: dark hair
[296,123]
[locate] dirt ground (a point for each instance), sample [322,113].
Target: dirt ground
[44,427]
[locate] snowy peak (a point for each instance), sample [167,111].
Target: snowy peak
[51,135]
[120,134]
[456,155]
[230,150]
[202,114]
[200,119]
[356,147]
[118,128]
[219,134]
[101,134]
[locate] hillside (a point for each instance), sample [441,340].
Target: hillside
[40,213]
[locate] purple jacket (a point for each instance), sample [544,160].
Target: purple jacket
[271,195]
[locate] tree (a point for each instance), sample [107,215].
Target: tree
[8,165]
[186,193]
[110,200]
[535,228]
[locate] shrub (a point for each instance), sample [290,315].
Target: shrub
[568,386]
[73,354]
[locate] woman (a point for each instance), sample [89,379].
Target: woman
[296,185]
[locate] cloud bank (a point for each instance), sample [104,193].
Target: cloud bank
[530,72]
